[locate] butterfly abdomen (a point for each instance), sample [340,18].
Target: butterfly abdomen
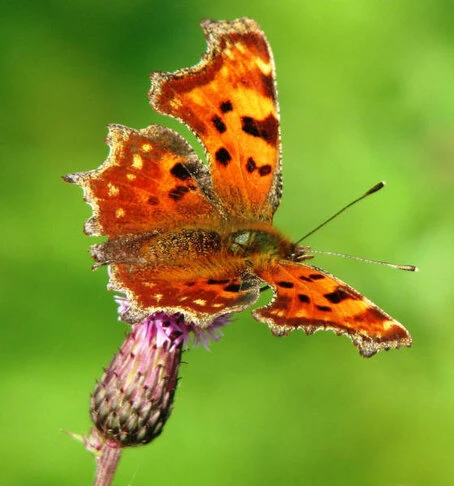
[178,247]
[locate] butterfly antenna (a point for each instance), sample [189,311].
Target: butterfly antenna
[372,190]
[408,268]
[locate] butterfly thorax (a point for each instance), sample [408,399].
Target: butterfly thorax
[262,242]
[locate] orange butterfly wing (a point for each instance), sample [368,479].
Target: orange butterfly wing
[229,101]
[151,181]
[200,298]
[311,299]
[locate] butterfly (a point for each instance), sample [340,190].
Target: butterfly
[198,239]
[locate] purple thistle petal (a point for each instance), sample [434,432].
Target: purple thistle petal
[173,330]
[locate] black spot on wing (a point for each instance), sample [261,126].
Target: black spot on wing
[285,285]
[337,296]
[250,126]
[323,308]
[180,172]
[265,170]
[267,129]
[226,106]
[304,298]
[232,288]
[223,156]
[218,124]
[251,165]
[178,192]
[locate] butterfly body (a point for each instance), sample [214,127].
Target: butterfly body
[196,238]
[258,243]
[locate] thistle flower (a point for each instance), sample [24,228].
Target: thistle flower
[134,398]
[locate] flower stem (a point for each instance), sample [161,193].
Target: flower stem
[106,464]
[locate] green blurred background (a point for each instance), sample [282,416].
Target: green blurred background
[366,93]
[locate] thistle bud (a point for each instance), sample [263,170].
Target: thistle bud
[134,398]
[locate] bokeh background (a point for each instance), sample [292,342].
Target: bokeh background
[366,93]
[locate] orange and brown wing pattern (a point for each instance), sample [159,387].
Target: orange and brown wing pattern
[310,299]
[200,298]
[229,101]
[151,181]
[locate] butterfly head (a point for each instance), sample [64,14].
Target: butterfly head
[299,253]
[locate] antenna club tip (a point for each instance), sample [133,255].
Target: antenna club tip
[409,268]
[376,188]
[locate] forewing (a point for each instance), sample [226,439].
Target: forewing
[229,101]
[311,299]
[151,181]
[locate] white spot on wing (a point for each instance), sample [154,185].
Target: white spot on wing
[112,190]
[137,161]
[265,67]
[240,47]
[388,324]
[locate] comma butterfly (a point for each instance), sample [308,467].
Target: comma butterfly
[198,239]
